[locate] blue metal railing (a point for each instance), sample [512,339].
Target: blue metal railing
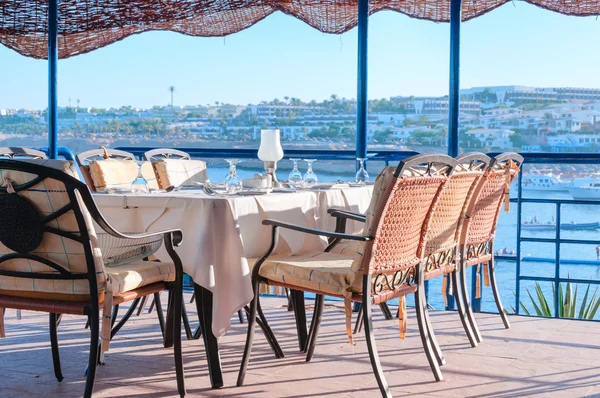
[557,240]
[393,156]
[249,153]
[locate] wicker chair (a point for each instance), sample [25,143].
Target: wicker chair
[442,238]
[166,153]
[52,260]
[481,220]
[391,266]
[21,152]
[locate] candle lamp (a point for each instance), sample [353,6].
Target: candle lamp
[270,152]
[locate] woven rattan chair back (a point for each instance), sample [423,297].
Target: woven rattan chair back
[481,216]
[166,153]
[83,160]
[48,245]
[21,153]
[400,221]
[446,219]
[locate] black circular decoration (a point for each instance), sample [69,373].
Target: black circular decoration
[20,225]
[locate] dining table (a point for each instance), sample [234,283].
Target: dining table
[223,233]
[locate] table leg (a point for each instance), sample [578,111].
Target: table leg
[204,304]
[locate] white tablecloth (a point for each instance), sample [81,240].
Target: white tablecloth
[221,233]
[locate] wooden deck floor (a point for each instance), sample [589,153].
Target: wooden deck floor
[536,357]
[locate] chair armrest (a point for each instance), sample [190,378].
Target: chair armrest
[312,231]
[176,236]
[347,214]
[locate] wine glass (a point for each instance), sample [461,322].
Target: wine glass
[362,176]
[295,177]
[140,184]
[310,178]
[232,181]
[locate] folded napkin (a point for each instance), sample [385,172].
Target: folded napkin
[119,174]
[178,172]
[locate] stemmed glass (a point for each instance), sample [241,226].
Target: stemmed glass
[362,176]
[310,178]
[232,181]
[140,184]
[295,177]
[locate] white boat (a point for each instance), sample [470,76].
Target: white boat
[585,189]
[543,182]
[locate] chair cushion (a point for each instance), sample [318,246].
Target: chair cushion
[178,172]
[349,248]
[119,174]
[328,273]
[125,278]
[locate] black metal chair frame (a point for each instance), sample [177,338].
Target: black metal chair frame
[91,309]
[414,286]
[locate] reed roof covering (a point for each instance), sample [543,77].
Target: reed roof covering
[85,25]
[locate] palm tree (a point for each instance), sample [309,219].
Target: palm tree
[172,91]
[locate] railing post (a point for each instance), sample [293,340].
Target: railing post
[518,252]
[557,262]
[52,113]
[362,101]
[454,93]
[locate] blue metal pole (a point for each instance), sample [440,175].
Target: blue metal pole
[454,94]
[361,96]
[52,72]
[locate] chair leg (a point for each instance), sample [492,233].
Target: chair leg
[386,311]
[314,326]
[168,340]
[420,306]
[461,310]
[54,343]
[241,316]
[300,313]
[94,319]
[159,313]
[434,343]
[177,310]
[186,323]
[288,295]
[359,321]
[193,298]
[115,314]
[249,336]
[151,306]
[492,272]
[142,306]
[370,337]
[264,325]
[468,310]
[125,318]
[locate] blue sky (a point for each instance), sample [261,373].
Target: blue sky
[515,44]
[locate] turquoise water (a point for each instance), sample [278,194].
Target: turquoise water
[506,238]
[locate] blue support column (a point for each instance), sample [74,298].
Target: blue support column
[454,93]
[52,114]
[362,104]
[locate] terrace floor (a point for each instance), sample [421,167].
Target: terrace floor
[536,357]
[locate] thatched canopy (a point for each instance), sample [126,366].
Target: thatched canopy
[85,25]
